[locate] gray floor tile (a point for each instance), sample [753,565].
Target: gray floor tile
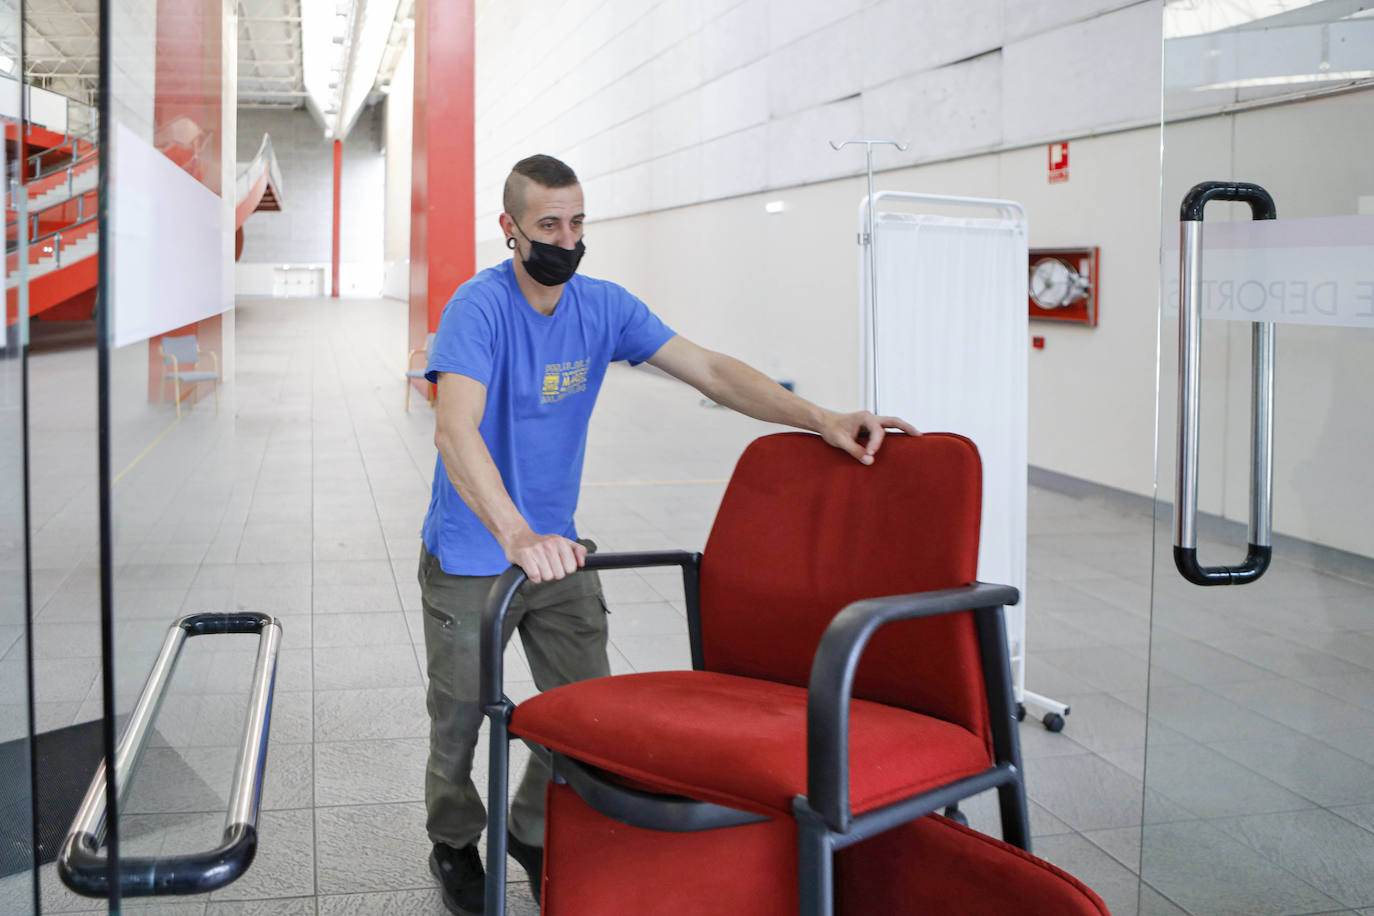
[1298,706]
[1117,885]
[1307,766]
[1205,872]
[289,777]
[347,629]
[1355,687]
[1202,714]
[655,653]
[1101,722]
[1085,791]
[1322,849]
[393,857]
[418,902]
[370,772]
[656,618]
[286,861]
[1121,843]
[363,598]
[1201,664]
[355,667]
[1211,785]
[291,906]
[1104,669]
[381,712]
[357,572]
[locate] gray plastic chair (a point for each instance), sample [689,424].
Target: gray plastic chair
[177,351]
[419,373]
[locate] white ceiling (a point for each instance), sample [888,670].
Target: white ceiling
[62,50]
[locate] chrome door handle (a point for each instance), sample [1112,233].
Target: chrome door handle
[1261,398]
[81,864]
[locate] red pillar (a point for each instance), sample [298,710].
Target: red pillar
[338,173]
[188,100]
[443,250]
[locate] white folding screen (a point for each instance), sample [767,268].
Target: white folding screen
[945,348]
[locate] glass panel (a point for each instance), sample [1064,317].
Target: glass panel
[18,853]
[175,478]
[1260,749]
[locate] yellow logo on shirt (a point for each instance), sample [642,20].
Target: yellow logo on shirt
[563,379]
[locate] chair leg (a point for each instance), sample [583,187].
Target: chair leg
[408,387]
[1011,800]
[498,779]
[216,396]
[176,393]
[815,867]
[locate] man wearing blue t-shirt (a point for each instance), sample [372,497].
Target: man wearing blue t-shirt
[519,356]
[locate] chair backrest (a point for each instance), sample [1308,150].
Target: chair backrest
[804,529]
[181,349]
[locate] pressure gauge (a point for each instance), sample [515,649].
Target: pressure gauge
[1054,284]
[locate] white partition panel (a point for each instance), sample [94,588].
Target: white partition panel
[946,339]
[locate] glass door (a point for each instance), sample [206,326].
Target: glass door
[18,838]
[1259,767]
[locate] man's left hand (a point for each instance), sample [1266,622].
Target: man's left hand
[843,430]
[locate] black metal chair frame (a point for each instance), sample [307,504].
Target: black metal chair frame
[824,819]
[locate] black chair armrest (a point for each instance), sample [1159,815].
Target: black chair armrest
[832,681]
[503,590]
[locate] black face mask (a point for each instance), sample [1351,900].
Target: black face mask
[551,265]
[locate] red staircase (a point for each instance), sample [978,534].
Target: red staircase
[62,225]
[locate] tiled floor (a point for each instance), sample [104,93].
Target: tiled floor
[303,498]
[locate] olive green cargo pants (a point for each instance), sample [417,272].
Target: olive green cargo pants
[562,627]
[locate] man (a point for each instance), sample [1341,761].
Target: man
[519,357]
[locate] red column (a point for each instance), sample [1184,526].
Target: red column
[443,250]
[338,173]
[188,99]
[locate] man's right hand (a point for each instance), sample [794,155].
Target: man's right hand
[545,557]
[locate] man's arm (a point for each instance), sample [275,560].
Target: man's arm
[478,481]
[740,387]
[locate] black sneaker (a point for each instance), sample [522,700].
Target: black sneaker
[461,878]
[531,859]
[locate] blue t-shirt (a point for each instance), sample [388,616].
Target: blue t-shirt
[542,374]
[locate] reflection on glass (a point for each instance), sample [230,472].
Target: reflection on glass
[18,858]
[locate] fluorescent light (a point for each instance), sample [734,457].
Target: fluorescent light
[774,206]
[365,57]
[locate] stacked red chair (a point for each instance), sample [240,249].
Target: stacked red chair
[850,676]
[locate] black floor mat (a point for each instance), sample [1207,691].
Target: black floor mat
[67,760]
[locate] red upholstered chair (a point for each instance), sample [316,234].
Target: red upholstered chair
[849,675]
[931,865]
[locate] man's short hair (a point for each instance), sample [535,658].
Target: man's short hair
[545,171]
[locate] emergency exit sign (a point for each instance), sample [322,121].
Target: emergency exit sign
[1059,162]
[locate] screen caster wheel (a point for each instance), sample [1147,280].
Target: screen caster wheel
[1053,721]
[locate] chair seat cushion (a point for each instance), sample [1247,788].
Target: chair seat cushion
[201,375]
[738,741]
[415,373]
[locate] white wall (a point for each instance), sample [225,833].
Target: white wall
[781,290]
[677,102]
[302,232]
[400,123]
[683,119]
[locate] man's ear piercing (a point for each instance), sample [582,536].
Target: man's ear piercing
[510,242]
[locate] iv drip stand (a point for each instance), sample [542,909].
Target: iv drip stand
[870,392]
